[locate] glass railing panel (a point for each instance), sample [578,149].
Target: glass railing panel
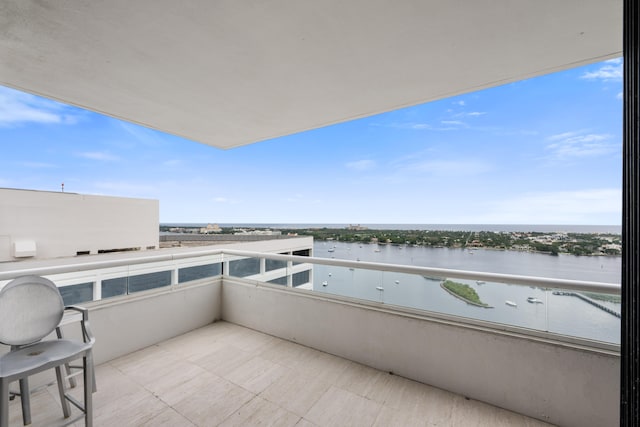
[570,313]
[303,252]
[351,282]
[244,267]
[187,274]
[130,284]
[274,264]
[585,314]
[279,281]
[143,282]
[76,294]
[592,316]
[114,287]
[300,278]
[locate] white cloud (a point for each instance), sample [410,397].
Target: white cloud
[98,155]
[225,201]
[610,71]
[361,165]
[407,125]
[442,168]
[590,206]
[420,126]
[453,123]
[172,162]
[125,188]
[470,114]
[581,144]
[619,95]
[38,165]
[301,201]
[20,108]
[141,134]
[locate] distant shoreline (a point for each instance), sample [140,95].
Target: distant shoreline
[543,228]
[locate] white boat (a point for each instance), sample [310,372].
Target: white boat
[534,300]
[324,283]
[511,303]
[331,249]
[480,282]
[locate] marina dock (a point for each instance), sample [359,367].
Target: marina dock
[590,301]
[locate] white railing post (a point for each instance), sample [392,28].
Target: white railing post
[290,274]
[97,288]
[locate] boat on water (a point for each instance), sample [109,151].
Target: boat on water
[534,300]
[331,249]
[324,283]
[480,282]
[511,303]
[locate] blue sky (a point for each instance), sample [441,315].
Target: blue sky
[541,151]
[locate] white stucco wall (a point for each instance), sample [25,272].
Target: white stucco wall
[57,224]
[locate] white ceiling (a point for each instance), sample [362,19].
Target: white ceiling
[233,72]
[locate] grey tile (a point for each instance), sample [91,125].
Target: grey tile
[223,360]
[263,413]
[469,412]
[256,374]
[296,392]
[341,407]
[169,418]
[176,385]
[212,403]
[359,379]
[131,410]
[390,417]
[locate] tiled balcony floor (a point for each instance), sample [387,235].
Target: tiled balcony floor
[228,375]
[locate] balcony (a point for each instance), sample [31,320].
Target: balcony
[228,375]
[225,350]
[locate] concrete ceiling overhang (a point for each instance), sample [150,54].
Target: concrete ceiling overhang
[233,72]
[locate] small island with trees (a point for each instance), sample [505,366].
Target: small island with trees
[464,292]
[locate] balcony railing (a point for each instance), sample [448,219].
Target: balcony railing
[571,310]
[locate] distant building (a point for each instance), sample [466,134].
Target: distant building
[356,227]
[46,224]
[259,232]
[209,229]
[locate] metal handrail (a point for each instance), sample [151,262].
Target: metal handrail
[575,285]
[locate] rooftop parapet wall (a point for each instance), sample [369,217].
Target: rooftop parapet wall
[43,224]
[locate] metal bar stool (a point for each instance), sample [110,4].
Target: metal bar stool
[30,309]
